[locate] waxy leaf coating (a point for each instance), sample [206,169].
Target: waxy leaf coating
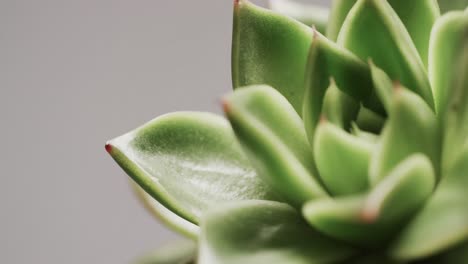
[189,162]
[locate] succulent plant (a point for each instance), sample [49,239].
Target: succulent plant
[343,143]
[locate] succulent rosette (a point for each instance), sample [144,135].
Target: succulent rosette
[343,142]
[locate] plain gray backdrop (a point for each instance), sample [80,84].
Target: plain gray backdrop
[74,74]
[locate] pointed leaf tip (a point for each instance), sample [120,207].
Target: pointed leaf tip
[108,147]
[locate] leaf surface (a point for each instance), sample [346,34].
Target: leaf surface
[189,162]
[274,138]
[262,232]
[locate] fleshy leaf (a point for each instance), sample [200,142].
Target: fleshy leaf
[176,253]
[342,159]
[165,215]
[275,140]
[412,128]
[311,15]
[369,121]
[449,67]
[339,11]
[338,107]
[418,16]
[371,219]
[373,30]
[446,37]
[188,161]
[328,61]
[383,85]
[443,222]
[269,48]
[262,232]
[448,5]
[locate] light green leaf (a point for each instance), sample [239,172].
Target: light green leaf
[339,11]
[311,15]
[189,162]
[373,30]
[338,107]
[342,159]
[411,128]
[418,16]
[261,232]
[328,61]
[165,215]
[371,219]
[446,38]
[182,252]
[443,222]
[269,48]
[275,140]
[448,5]
[384,86]
[449,67]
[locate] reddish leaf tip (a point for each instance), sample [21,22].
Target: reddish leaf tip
[396,85]
[368,215]
[323,119]
[108,147]
[226,106]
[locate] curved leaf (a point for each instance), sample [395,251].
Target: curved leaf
[269,48]
[373,30]
[261,232]
[371,219]
[339,11]
[418,16]
[275,140]
[188,161]
[311,15]
[328,61]
[165,215]
[342,159]
[182,252]
[412,128]
[449,65]
[443,222]
[446,37]
[338,107]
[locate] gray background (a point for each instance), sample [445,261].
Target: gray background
[74,74]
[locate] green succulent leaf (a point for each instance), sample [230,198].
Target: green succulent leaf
[443,222]
[373,30]
[384,86]
[342,159]
[418,16]
[269,48]
[181,252]
[412,128]
[189,162]
[446,43]
[449,67]
[338,107]
[311,15]
[165,215]
[275,140]
[339,11]
[371,219]
[448,5]
[262,232]
[328,61]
